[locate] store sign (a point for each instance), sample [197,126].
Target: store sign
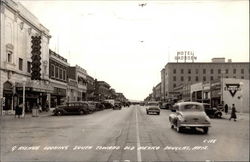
[185,55]
[232,88]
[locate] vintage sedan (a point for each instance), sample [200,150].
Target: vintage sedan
[212,112]
[71,108]
[189,115]
[153,107]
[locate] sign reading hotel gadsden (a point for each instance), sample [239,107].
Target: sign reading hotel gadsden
[185,56]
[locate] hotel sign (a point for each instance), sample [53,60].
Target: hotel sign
[185,55]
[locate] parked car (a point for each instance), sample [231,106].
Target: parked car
[189,114]
[117,106]
[99,106]
[165,105]
[212,112]
[107,105]
[71,108]
[153,107]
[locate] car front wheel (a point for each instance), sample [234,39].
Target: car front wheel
[59,113]
[205,130]
[81,112]
[219,115]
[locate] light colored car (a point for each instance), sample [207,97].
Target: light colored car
[153,107]
[189,114]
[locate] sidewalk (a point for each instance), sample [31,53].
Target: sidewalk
[28,115]
[240,116]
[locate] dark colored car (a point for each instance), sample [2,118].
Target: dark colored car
[107,105]
[71,108]
[212,112]
[117,106]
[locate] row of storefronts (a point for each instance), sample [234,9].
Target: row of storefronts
[31,73]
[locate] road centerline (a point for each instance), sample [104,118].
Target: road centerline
[137,137]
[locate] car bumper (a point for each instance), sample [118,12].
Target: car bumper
[195,125]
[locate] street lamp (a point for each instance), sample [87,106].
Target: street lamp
[24,82]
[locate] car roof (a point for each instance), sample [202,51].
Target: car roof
[187,103]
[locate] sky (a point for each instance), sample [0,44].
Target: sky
[127,45]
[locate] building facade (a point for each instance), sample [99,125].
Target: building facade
[90,88]
[78,74]
[157,92]
[58,66]
[102,90]
[18,26]
[176,74]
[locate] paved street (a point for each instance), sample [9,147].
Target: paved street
[120,135]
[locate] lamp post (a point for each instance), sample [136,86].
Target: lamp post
[24,82]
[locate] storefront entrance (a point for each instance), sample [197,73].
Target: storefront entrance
[7,96]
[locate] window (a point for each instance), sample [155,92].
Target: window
[64,75]
[189,71]
[196,71]
[242,71]
[20,64]
[204,78]
[174,78]
[56,72]
[182,71]
[9,57]
[204,71]
[227,71]
[60,74]
[189,78]
[174,71]
[234,77]
[242,77]
[234,71]
[219,71]
[52,70]
[28,66]
[174,85]
[182,78]
[197,78]
[211,78]
[212,71]
[226,76]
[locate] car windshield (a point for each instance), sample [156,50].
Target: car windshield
[152,104]
[192,107]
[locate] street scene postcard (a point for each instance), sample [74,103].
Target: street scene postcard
[124,80]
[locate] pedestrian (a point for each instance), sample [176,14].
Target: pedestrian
[233,113]
[39,107]
[18,110]
[226,108]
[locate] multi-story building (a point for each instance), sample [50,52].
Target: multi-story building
[18,26]
[120,97]
[102,90]
[58,66]
[78,74]
[90,88]
[157,92]
[176,74]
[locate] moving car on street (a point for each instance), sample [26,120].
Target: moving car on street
[153,107]
[189,115]
[71,108]
[212,112]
